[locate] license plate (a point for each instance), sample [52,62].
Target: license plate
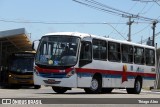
[51,81]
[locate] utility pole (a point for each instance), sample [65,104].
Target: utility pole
[129,24]
[141,39]
[153,27]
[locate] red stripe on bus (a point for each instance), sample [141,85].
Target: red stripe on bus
[112,72]
[86,70]
[44,70]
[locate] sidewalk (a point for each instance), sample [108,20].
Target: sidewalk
[155,90]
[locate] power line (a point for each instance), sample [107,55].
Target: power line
[98,8]
[102,5]
[147,0]
[143,22]
[158,17]
[141,30]
[138,14]
[148,9]
[40,22]
[142,8]
[133,6]
[105,8]
[43,22]
[154,22]
[117,31]
[157,3]
[120,19]
[145,40]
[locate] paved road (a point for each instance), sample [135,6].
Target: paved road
[47,92]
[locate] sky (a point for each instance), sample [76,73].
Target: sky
[68,11]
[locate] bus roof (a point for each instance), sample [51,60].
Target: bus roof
[77,34]
[84,35]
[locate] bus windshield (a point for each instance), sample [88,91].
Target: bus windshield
[22,65]
[57,51]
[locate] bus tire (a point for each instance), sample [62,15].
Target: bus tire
[137,87]
[37,86]
[59,90]
[96,86]
[106,90]
[14,86]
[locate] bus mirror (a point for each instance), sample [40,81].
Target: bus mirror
[86,47]
[35,44]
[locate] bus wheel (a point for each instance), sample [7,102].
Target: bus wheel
[96,86]
[106,90]
[14,86]
[37,86]
[137,87]
[59,90]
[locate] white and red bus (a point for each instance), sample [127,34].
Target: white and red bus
[96,64]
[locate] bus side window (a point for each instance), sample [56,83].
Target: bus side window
[114,52]
[85,54]
[138,55]
[127,53]
[85,51]
[99,49]
[150,57]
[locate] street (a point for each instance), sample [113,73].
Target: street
[47,92]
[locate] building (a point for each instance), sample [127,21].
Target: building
[11,41]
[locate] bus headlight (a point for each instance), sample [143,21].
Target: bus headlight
[10,76]
[72,72]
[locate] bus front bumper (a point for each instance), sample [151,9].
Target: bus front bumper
[59,82]
[20,79]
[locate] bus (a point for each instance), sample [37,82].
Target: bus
[20,72]
[66,60]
